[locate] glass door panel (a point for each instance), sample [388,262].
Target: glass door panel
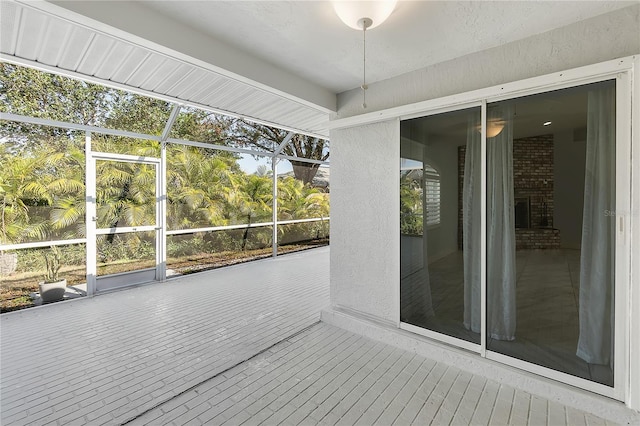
[550,241]
[438,267]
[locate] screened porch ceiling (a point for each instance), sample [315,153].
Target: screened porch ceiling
[275,62]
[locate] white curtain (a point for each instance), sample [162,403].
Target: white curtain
[501,265]
[596,258]
[471,226]
[501,230]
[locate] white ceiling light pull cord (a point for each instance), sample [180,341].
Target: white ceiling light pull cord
[363,15]
[364,23]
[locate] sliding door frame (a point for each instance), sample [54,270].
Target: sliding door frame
[621,72]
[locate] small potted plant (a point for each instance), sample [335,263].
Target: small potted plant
[52,289]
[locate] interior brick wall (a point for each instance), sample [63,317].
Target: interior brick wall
[532,178]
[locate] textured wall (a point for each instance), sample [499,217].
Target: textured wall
[365,219]
[605,37]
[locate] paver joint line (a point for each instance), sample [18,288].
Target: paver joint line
[216,375]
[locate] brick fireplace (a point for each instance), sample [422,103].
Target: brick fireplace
[533,193]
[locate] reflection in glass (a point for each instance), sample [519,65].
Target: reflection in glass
[435,269]
[550,269]
[188,253]
[22,270]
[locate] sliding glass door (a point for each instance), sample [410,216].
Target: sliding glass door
[508,231]
[434,295]
[550,275]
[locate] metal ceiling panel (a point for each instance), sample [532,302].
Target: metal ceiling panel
[35,38]
[197,80]
[130,64]
[95,55]
[74,48]
[55,38]
[30,34]
[9,24]
[170,81]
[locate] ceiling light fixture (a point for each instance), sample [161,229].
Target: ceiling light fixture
[546,123]
[364,15]
[494,127]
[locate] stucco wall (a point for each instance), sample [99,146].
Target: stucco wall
[365,214]
[365,241]
[599,39]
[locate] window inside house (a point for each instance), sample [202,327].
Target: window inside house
[432,195]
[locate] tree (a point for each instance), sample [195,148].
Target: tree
[266,138]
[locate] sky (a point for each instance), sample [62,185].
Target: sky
[249,164]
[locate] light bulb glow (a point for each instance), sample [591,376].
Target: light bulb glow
[352,12]
[494,127]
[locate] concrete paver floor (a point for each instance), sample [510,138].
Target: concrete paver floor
[238,345]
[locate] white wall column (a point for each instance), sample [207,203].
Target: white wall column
[365,220]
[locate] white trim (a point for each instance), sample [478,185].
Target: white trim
[115,132]
[41,244]
[553,374]
[443,110]
[283,144]
[251,225]
[91,217]
[633,333]
[514,89]
[175,112]
[274,202]
[218,228]
[219,147]
[81,127]
[483,229]
[443,338]
[303,160]
[294,221]
[160,216]
[161,221]
[622,244]
[125,230]
[124,158]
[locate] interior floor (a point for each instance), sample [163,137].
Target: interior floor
[547,291]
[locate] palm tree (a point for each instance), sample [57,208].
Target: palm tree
[252,198]
[198,187]
[35,180]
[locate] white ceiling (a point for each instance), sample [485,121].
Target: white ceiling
[281,62]
[308,39]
